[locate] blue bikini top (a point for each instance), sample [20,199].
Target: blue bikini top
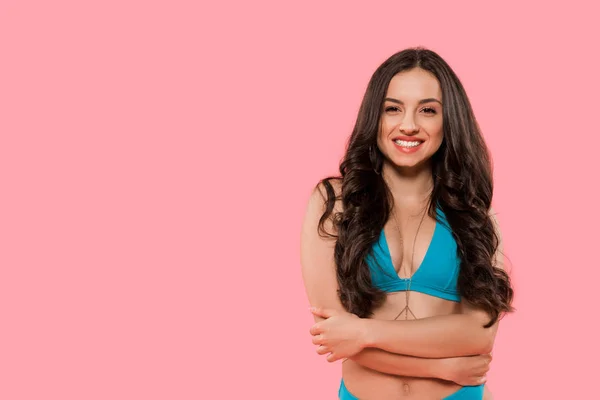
[436,276]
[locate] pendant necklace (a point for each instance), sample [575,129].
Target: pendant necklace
[407,291]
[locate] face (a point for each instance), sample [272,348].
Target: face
[410,128]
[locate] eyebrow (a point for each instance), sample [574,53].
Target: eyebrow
[428,100]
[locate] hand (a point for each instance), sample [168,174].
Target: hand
[466,371]
[341,333]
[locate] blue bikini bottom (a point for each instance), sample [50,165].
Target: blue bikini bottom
[464,393]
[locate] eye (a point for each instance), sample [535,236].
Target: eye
[429,110]
[392,108]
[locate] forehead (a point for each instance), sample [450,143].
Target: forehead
[414,85]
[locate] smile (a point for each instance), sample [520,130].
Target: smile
[408,143]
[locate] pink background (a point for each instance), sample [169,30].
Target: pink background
[156,158]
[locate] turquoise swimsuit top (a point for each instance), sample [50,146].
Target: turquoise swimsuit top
[436,276]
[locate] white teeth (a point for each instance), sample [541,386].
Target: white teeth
[405,143]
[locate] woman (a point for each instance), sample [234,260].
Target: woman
[401,254]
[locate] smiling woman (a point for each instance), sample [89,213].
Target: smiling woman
[402,290]
[409,131]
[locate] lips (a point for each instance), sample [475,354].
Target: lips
[407,139]
[406,144]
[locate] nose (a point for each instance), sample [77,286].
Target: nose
[408,125]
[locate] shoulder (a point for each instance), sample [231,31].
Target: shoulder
[326,192]
[326,188]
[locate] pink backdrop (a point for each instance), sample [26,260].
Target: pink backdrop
[156,158]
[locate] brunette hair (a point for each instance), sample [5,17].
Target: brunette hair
[462,176]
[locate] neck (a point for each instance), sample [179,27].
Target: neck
[408,185]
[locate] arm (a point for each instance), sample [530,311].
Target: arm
[441,336]
[466,371]
[398,364]
[319,275]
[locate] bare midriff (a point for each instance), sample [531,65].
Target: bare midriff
[369,384]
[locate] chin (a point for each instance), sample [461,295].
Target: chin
[407,164]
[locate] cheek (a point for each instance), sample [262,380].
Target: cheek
[386,128]
[436,137]
[388,124]
[382,135]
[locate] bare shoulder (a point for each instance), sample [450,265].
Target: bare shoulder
[318,202]
[328,188]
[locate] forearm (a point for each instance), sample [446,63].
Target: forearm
[435,337]
[398,364]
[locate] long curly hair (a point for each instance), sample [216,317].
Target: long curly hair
[462,176]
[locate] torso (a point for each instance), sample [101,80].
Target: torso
[369,384]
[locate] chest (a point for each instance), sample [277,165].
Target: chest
[408,245]
[428,263]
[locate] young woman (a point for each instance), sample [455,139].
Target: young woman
[401,254]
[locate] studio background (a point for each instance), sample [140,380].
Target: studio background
[156,158]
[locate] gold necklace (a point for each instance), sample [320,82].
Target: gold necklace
[407,291]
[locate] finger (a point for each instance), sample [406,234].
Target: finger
[315,329]
[322,350]
[474,381]
[486,365]
[485,359]
[480,370]
[322,312]
[332,357]
[317,339]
